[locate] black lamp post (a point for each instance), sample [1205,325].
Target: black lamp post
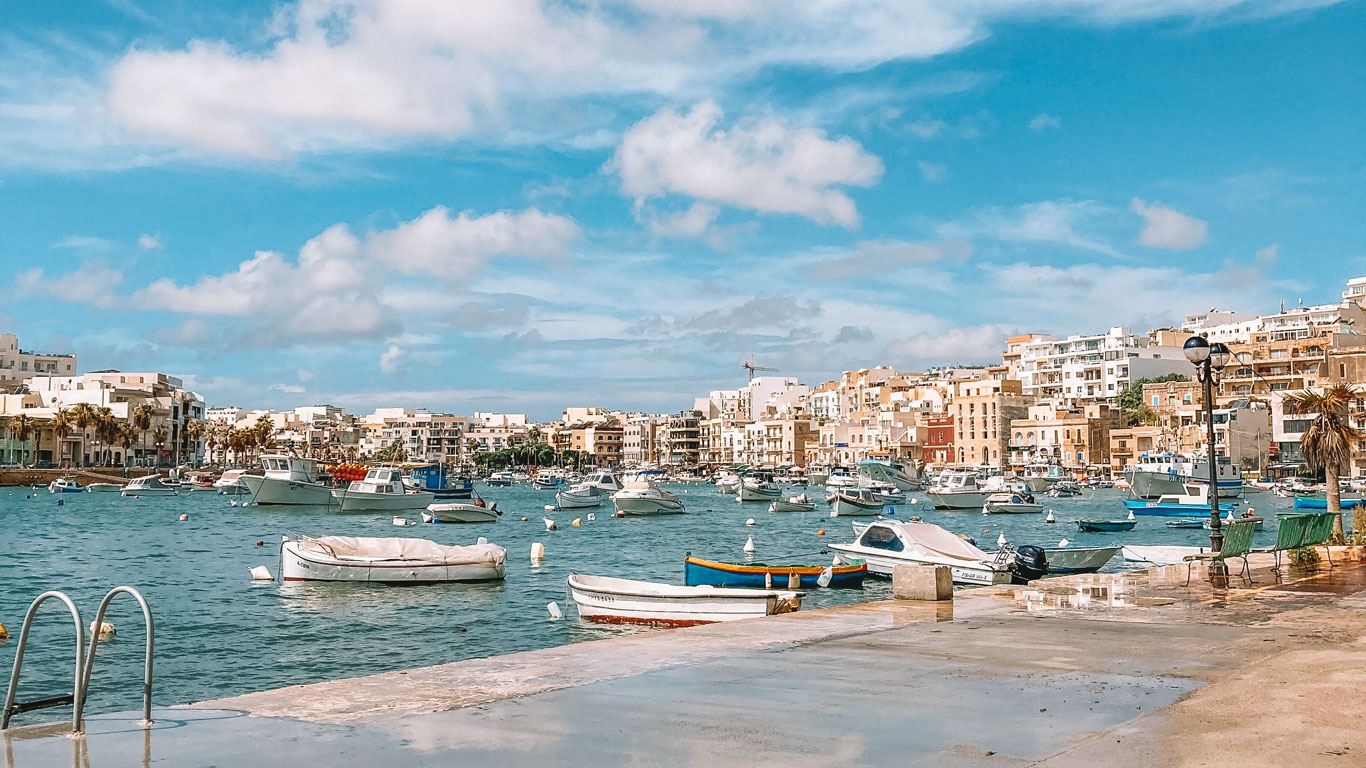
[1209,360]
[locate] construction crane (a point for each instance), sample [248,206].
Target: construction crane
[749,365]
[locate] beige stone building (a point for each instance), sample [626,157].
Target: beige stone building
[983,411]
[1076,438]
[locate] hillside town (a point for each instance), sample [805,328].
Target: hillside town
[1090,402]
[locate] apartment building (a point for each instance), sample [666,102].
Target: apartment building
[123,393]
[982,413]
[1092,367]
[18,364]
[1074,438]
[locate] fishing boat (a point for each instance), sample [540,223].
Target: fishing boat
[388,560]
[287,480]
[103,488]
[1078,559]
[602,598]
[1193,503]
[545,482]
[1158,555]
[1105,526]
[381,490]
[889,493]
[148,485]
[644,498]
[882,468]
[1010,504]
[958,490]
[885,544]
[697,572]
[727,483]
[500,480]
[64,485]
[477,511]
[589,493]
[1162,474]
[840,477]
[442,484]
[856,502]
[230,483]
[799,503]
[757,488]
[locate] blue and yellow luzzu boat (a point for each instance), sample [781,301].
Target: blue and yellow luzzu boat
[697,572]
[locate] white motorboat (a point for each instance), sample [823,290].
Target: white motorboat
[958,490]
[381,490]
[642,497]
[799,503]
[589,493]
[545,481]
[889,493]
[727,483]
[103,488]
[856,502]
[1158,474]
[287,480]
[1079,559]
[1064,489]
[1010,504]
[885,544]
[388,560]
[602,598]
[1158,555]
[64,485]
[230,483]
[462,512]
[148,485]
[885,470]
[757,488]
[840,477]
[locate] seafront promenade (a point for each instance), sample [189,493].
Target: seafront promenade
[1126,669]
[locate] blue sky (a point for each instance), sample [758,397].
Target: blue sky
[522,205]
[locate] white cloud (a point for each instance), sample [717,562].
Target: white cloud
[927,128]
[968,344]
[91,283]
[762,165]
[933,172]
[84,243]
[1169,228]
[691,222]
[1062,222]
[150,242]
[457,247]
[1045,121]
[291,389]
[392,359]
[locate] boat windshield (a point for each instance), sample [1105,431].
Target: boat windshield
[880,537]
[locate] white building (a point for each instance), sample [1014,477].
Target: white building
[1093,367]
[18,364]
[122,393]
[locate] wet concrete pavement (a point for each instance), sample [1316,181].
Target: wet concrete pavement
[1132,669]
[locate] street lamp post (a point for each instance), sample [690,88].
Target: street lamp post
[1209,360]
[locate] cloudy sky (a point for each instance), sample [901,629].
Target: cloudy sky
[525,204]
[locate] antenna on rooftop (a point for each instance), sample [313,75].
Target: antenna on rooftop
[748,365]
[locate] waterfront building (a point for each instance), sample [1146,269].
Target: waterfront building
[982,411]
[165,441]
[1222,325]
[1073,438]
[938,449]
[17,364]
[1297,349]
[1287,428]
[681,438]
[490,431]
[1129,443]
[640,439]
[1092,367]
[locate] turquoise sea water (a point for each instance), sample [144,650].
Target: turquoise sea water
[220,634]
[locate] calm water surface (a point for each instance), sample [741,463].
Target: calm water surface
[220,634]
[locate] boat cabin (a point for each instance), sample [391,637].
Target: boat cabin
[295,468]
[379,480]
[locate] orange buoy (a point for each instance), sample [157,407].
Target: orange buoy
[821,532]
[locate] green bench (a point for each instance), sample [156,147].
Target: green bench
[1237,543]
[1299,530]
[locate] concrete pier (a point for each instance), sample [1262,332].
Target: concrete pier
[1130,669]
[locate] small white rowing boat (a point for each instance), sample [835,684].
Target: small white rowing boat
[392,560]
[461,512]
[103,488]
[798,503]
[602,598]
[856,502]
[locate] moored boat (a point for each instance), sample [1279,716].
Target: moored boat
[388,560]
[1105,526]
[1195,502]
[462,512]
[230,483]
[148,485]
[606,599]
[440,483]
[590,493]
[500,480]
[103,488]
[64,485]
[380,491]
[799,503]
[885,544]
[958,490]
[287,480]
[1078,559]
[757,488]
[644,498]
[1320,501]
[856,502]
[1010,504]
[697,572]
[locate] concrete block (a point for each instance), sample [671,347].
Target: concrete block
[922,582]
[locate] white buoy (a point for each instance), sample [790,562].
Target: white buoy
[428,517]
[261,573]
[1050,518]
[106,629]
[749,544]
[549,507]
[591,517]
[915,500]
[555,613]
[482,540]
[1001,539]
[750,521]
[399,521]
[184,517]
[550,524]
[1064,543]
[232,503]
[1131,514]
[537,552]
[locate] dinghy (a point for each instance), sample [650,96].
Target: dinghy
[64,485]
[1106,526]
[1010,504]
[392,560]
[1078,559]
[798,503]
[462,512]
[697,572]
[103,488]
[1159,555]
[602,598]
[856,502]
[886,544]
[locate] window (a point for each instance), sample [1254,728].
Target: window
[1157,400]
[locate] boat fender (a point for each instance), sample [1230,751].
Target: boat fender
[555,613]
[1050,518]
[1001,539]
[1064,543]
[537,552]
[550,524]
[482,540]
[524,519]
[549,507]
[1131,514]
[592,517]
[750,521]
[620,514]
[61,502]
[260,543]
[749,544]
[4,633]
[768,580]
[915,501]
[106,630]
[261,573]
[578,521]
[184,517]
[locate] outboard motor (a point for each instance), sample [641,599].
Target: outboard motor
[1030,562]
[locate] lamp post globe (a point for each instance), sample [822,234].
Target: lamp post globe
[1196,349]
[1219,355]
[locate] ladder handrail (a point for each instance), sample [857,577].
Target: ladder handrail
[77,692]
[94,643]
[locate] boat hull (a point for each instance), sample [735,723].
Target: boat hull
[271,491]
[960,500]
[1171,510]
[1311,502]
[643,506]
[1011,509]
[670,608]
[1105,526]
[1079,559]
[882,564]
[782,505]
[297,565]
[1151,485]
[843,506]
[103,488]
[148,492]
[746,494]
[697,572]
[579,499]
[460,513]
[360,501]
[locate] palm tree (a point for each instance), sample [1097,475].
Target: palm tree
[192,432]
[23,427]
[83,415]
[142,421]
[1327,444]
[159,435]
[106,432]
[127,435]
[61,427]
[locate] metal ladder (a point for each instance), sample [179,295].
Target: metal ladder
[85,662]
